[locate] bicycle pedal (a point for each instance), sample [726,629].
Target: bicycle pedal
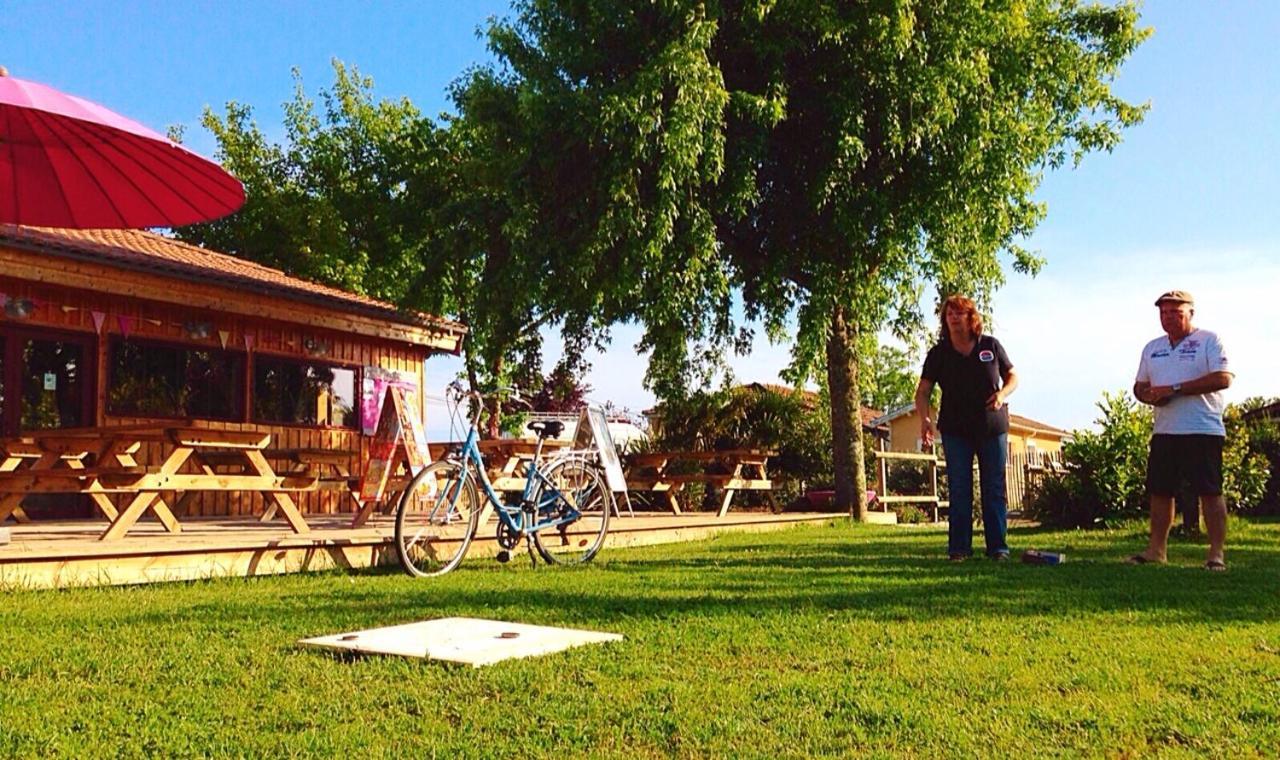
[503,556]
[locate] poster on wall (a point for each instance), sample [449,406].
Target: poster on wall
[374,391]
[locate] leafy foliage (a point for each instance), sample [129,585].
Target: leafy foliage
[887,376]
[1106,477]
[1106,470]
[562,390]
[374,198]
[330,204]
[794,424]
[1249,462]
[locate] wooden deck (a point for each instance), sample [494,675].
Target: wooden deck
[49,554]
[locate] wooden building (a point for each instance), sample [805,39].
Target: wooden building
[116,327]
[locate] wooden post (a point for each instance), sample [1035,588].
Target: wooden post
[882,475]
[933,476]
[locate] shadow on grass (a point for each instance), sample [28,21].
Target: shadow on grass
[883,577]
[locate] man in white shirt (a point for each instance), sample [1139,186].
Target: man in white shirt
[1182,374]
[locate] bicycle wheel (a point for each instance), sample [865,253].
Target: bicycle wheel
[573,487]
[436,519]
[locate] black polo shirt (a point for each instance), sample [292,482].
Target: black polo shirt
[967,382]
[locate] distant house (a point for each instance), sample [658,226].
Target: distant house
[1026,436]
[1269,412]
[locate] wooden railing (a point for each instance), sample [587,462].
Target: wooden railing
[1022,471]
[930,501]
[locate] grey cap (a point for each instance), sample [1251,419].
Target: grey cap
[1177,296]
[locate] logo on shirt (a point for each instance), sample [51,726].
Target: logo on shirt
[1160,354]
[986,356]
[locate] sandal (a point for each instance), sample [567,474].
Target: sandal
[1138,559]
[1215,566]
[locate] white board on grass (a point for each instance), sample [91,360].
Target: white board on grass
[470,641]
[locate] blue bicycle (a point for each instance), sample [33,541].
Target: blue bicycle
[562,513]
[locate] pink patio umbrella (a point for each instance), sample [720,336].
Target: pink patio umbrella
[67,162]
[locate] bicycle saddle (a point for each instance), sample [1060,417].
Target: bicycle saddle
[547,428]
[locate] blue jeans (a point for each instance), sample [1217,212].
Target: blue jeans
[992,453]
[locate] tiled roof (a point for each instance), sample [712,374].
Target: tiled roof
[148,252]
[1027,422]
[868,414]
[1017,420]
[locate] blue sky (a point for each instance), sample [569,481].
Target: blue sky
[1188,200]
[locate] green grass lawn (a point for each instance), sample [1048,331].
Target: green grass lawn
[840,640]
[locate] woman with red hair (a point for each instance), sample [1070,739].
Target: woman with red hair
[976,377]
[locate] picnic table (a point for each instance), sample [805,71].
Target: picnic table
[732,470]
[506,459]
[102,462]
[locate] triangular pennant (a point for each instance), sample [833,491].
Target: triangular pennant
[126,324]
[4,299]
[223,335]
[248,342]
[99,318]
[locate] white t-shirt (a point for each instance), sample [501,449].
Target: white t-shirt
[1195,356]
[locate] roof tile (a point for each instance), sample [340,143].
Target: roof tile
[148,251]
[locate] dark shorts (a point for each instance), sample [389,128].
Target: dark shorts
[1196,459]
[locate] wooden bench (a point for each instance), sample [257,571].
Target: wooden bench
[746,471]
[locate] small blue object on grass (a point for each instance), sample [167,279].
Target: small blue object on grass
[1036,557]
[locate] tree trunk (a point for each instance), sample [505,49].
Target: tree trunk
[493,426]
[846,417]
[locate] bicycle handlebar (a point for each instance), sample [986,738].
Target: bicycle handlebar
[458,393]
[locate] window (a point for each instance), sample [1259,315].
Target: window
[46,379]
[52,384]
[159,380]
[303,393]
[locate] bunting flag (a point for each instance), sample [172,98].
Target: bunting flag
[128,323]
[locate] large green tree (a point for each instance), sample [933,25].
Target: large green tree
[827,158]
[373,197]
[328,203]
[911,138]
